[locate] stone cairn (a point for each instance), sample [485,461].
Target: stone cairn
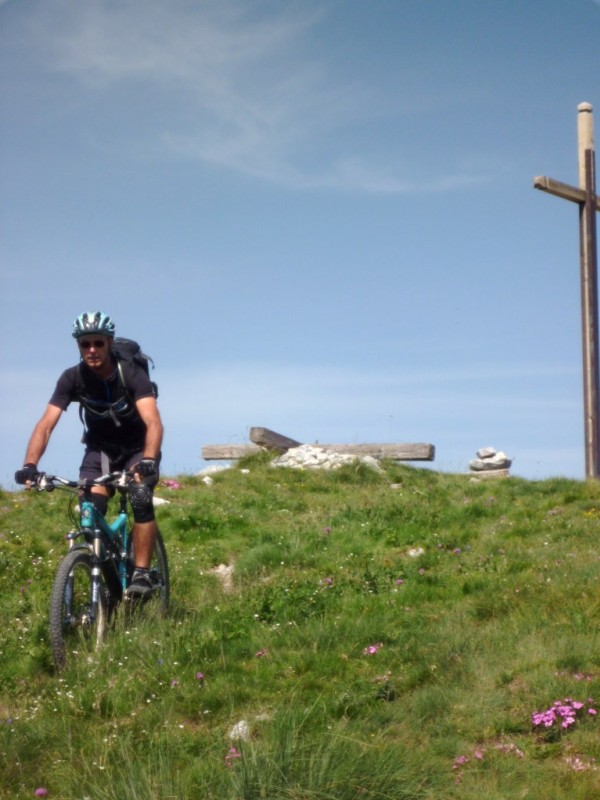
[490,464]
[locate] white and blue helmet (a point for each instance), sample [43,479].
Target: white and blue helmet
[91,322]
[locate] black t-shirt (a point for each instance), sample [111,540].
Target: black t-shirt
[111,419]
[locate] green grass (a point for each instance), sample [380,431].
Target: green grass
[481,598]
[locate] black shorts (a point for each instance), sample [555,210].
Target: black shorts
[93,465]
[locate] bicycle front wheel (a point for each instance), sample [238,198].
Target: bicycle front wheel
[75,623]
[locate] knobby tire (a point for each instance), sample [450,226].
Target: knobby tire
[161,564]
[71,626]
[160,567]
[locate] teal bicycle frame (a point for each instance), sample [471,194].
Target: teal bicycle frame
[94,576]
[109,544]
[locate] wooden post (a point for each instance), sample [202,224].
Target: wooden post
[589,203]
[589,288]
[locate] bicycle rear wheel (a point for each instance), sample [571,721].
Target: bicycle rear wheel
[159,568]
[73,625]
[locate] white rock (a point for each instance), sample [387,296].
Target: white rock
[224,573]
[486,452]
[308,456]
[499,461]
[212,469]
[240,731]
[160,501]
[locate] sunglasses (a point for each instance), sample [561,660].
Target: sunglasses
[96,344]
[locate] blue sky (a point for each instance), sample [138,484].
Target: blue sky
[316,216]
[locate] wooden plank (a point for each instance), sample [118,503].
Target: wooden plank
[228,452]
[272,440]
[563,190]
[397,452]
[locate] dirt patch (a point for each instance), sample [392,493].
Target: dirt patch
[224,573]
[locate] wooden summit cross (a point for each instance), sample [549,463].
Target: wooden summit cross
[589,202]
[265,439]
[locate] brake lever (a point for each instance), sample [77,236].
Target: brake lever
[44,483]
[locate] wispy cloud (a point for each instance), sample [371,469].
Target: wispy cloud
[236,84]
[247,392]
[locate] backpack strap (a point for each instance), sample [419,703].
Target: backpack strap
[121,376]
[80,388]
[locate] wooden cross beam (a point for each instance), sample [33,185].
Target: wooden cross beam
[589,203]
[266,439]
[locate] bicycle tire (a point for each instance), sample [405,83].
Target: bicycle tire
[71,627]
[160,563]
[159,566]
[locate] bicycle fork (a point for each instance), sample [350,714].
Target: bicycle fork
[88,526]
[96,574]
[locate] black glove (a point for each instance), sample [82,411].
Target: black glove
[146,467]
[29,472]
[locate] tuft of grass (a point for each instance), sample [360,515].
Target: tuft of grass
[383,635]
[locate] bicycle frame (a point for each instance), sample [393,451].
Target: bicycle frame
[108,542]
[94,576]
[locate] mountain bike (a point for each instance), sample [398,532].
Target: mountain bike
[93,577]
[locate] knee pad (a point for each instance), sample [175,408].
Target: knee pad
[100,502]
[141,502]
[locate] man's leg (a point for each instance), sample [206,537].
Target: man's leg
[144,537]
[144,533]
[91,467]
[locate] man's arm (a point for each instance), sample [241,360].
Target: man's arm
[148,411]
[41,434]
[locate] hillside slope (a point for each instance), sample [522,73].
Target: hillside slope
[332,635]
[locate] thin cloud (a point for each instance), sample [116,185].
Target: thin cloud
[245,90]
[302,392]
[457,410]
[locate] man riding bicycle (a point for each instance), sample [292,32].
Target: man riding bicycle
[123,430]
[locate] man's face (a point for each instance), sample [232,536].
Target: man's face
[94,350]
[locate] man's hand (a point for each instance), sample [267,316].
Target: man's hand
[27,474]
[146,467]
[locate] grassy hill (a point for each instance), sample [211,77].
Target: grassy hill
[385,635]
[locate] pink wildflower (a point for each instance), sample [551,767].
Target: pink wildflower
[232,754]
[460,761]
[372,649]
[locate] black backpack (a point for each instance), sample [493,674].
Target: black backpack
[126,350]
[129,350]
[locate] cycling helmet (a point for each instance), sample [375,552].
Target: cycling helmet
[93,322]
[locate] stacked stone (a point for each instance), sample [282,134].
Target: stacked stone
[311,457]
[490,463]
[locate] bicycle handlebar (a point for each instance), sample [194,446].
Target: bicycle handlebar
[116,480]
